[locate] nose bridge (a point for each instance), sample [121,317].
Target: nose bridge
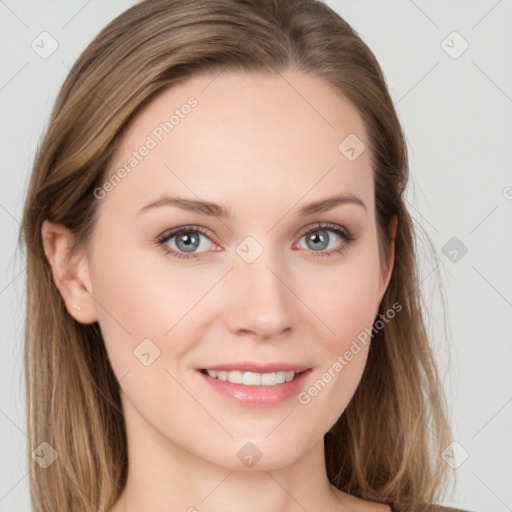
[255,294]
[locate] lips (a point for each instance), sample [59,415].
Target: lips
[256,384]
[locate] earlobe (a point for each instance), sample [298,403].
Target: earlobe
[70,272]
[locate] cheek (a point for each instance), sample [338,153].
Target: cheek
[349,310]
[348,307]
[346,299]
[140,295]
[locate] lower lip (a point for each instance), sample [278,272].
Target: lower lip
[257,395]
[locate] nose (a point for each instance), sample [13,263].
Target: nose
[258,300]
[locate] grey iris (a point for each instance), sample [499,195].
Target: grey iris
[187,242]
[320,237]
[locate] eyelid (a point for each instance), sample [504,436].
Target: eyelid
[323,225]
[170,233]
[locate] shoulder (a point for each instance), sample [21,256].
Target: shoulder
[427,507]
[356,504]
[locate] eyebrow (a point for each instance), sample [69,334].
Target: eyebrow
[215,210]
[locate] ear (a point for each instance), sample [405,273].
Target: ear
[387,266]
[70,272]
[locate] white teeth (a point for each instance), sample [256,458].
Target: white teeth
[252,378]
[268,379]
[281,377]
[235,377]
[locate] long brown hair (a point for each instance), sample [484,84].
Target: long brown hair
[387,444]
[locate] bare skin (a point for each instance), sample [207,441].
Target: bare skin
[263,147]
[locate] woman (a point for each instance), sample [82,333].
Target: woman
[223,308]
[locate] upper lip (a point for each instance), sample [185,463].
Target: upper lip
[247,366]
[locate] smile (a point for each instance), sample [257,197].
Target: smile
[252,384]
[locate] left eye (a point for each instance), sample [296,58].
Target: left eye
[318,239]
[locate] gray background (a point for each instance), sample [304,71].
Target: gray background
[456,110]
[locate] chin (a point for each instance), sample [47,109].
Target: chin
[265,453]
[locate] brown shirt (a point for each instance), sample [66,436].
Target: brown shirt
[425,508]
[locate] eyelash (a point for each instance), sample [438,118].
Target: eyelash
[346,235]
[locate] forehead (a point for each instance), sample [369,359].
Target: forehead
[254,135]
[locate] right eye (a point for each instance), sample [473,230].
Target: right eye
[183,242]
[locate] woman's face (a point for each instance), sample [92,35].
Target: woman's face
[278,288]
